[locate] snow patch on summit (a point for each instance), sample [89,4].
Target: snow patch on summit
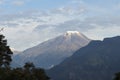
[73,32]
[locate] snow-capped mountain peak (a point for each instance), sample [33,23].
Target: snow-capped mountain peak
[53,51]
[73,32]
[70,33]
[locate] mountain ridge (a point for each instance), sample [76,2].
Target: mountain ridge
[99,60]
[54,50]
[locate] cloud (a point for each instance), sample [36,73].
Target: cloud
[31,27]
[69,10]
[83,25]
[1,1]
[18,3]
[30,31]
[101,33]
[14,2]
[93,27]
[19,29]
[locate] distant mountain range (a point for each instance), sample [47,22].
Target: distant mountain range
[53,51]
[99,60]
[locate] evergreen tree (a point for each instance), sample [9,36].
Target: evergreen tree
[28,72]
[5,53]
[117,76]
[28,66]
[32,73]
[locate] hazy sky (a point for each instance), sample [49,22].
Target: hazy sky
[29,22]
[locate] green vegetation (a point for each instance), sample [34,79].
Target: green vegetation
[5,53]
[117,76]
[28,72]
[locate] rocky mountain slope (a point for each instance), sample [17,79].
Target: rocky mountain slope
[53,51]
[99,60]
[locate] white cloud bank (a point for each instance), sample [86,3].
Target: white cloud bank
[25,30]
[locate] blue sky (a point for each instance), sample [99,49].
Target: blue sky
[22,5]
[12,6]
[39,20]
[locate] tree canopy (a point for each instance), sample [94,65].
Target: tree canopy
[117,76]
[5,53]
[27,72]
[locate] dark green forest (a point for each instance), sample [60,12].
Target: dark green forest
[117,76]
[27,72]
